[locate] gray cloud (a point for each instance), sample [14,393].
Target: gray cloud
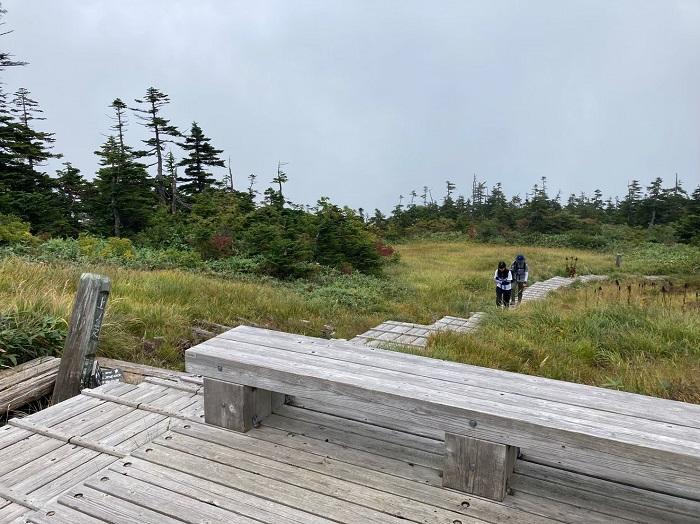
[367,99]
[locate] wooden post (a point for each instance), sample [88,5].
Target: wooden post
[479,467]
[83,332]
[234,406]
[618,260]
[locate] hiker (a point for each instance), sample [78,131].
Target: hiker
[519,270]
[503,278]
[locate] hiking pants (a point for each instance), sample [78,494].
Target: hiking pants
[519,286]
[502,297]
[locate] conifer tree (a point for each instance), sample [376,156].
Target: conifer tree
[200,156]
[162,133]
[171,179]
[72,190]
[123,200]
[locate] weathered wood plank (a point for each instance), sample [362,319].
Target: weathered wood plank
[39,366]
[477,466]
[419,397]
[351,440]
[152,497]
[58,514]
[648,505]
[83,332]
[309,373]
[70,478]
[22,393]
[333,460]
[620,402]
[215,494]
[233,406]
[331,498]
[12,513]
[59,436]
[111,509]
[137,373]
[514,386]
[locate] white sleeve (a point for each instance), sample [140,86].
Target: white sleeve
[495,275]
[525,277]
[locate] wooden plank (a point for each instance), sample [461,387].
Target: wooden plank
[649,505]
[630,509]
[39,465]
[23,393]
[384,448]
[215,494]
[477,466]
[70,478]
[111,509]
[370,381]
[332,460]
[620,402]
[83,333]
[93,419]
[58,514]
[49,469]
[174,384]
[138,372]
[353,427]
[12,513]
[38,366]
[388,417]
[64,410]
[162,501]
[233,406]
[25,451]
[59,436]
[10,435]
[330,498]
[280,370]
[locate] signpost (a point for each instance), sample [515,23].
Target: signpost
[79,351]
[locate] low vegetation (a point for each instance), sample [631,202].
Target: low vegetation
[634,338]
[649,345]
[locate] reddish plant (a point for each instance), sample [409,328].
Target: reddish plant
[383,249]
[221,245]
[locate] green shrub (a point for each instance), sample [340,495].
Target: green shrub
[28,334]
[59,249]
[118,248]
[236,264]
[14,230]
[90,246]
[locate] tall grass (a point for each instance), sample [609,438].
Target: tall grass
[649,346]
[646,343]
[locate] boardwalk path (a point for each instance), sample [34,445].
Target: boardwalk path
[393,332]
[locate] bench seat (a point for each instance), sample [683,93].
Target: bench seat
[641,441]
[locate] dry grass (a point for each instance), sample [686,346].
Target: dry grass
[649,346]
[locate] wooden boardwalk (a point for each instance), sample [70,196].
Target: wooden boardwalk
[127,453]
[393,332]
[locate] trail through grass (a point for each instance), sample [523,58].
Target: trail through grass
[642,347]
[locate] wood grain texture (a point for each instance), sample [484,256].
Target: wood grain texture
[477,466]
[234,406]
[664,457]
[83,333]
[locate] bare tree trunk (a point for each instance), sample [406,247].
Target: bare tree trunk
[173,191]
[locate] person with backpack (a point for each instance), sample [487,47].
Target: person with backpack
[503,278]
[519,270]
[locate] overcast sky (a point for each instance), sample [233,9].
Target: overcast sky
[369,99]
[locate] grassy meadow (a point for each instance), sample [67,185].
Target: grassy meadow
[651,345]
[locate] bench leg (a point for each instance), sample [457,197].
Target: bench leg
[237,407]
[479,467]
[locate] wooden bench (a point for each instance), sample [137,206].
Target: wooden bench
[488,417]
